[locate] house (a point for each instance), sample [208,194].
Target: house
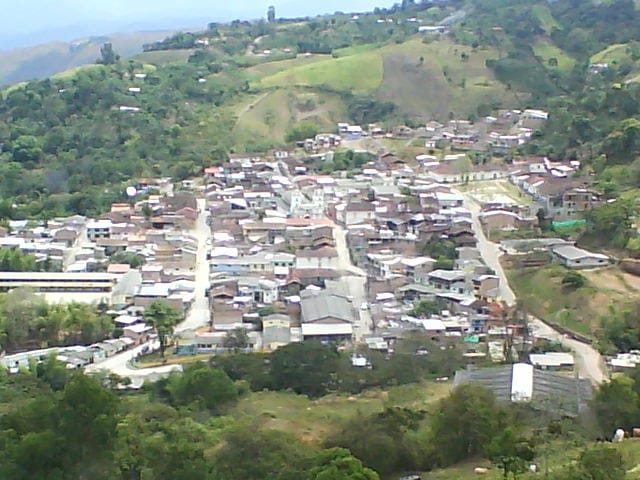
[326,307]
[552,361]
[450,280]
[486,286]
[324,257]
[98,229]
[355,213]
[493,220]
[276,331]
[576,258]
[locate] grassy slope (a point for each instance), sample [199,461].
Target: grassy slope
[313,420]
[163,57]
[359,73]
[267,116]
[266,69]
[423,90]
[543,14]
[441,84]
[610,54]
[545,49]
[541,292]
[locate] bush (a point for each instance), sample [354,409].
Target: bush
[573,280]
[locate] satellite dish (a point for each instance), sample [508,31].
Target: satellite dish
[131,192]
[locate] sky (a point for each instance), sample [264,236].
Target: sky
[28,22]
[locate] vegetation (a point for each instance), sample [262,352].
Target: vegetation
[163,319]
[28,321]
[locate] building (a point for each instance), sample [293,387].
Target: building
[576,258]
[63,286]
[521,382]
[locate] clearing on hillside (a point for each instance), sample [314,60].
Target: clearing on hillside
[440,79]
[164,57]
[266,118]
[359,73]
[540,290]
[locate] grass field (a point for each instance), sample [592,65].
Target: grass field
[266,69]
[360,73]
[541,292]
[267,116]
[610,54]
[559,455]
[163,57]
[313,420]
[545,49]
[543,14]
[443,82]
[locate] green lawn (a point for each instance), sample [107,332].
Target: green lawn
[559,455]
[360,73]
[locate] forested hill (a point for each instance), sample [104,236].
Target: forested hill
[73,142]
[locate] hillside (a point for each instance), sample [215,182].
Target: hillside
[243,86]
[49,59]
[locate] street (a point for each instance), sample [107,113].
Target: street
[589,362]
[197,316]
[355,283]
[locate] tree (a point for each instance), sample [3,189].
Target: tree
[163,318]
[307,368]
[251,453]
[426,308]
[130,258]
[339,464]
[512,453]
[206,387]
[617,405]
[27,149]
[271,14]
[603,463]
[107,55]
[573,280]
[301,131]
[236,339]
[465,423]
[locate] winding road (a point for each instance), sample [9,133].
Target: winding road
[589,362]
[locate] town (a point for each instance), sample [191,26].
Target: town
[265,249]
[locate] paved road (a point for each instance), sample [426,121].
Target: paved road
[197,316]
[490,251]
[120,364]
[355,283]
[589,362]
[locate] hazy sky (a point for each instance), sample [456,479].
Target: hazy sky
[26,22]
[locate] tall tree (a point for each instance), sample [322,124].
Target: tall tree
[271,14]
[108,55]
[163,318]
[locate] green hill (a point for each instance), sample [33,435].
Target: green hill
[49,59]
[242,86]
